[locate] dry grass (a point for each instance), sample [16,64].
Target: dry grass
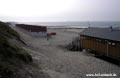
[10,51]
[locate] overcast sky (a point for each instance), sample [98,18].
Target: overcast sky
[59,10]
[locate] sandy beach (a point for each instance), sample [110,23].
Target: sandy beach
[59,62]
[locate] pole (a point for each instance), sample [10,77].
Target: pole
[107,47]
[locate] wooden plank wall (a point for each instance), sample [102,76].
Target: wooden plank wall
[102,48]
[114,51]
[95,46]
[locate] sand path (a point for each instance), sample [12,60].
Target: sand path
[61,63]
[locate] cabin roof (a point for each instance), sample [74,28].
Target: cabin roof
[104,33]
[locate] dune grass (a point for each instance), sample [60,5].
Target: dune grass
[10,51]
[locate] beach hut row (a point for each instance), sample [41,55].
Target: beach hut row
[32,28]
[35,30]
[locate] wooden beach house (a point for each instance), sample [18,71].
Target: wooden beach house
[105,41]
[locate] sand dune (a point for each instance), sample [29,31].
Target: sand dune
[61,63]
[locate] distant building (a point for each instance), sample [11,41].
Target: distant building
[105,41]
[35,30]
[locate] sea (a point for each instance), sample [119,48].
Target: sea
[80,24]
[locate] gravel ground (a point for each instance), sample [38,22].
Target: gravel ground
[58,62]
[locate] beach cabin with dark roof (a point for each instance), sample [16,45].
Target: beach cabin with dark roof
[105,41]
[34,30]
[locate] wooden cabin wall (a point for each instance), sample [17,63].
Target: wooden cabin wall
[95,46]
[114,51]
[102,48]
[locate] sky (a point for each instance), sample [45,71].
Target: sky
[59,10]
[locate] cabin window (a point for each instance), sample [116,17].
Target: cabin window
[113,44]
[103,41]
[92,39]
[88,38]
[83,37]
[109,43]
[99,40]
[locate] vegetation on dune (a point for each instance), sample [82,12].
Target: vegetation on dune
[10,51]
